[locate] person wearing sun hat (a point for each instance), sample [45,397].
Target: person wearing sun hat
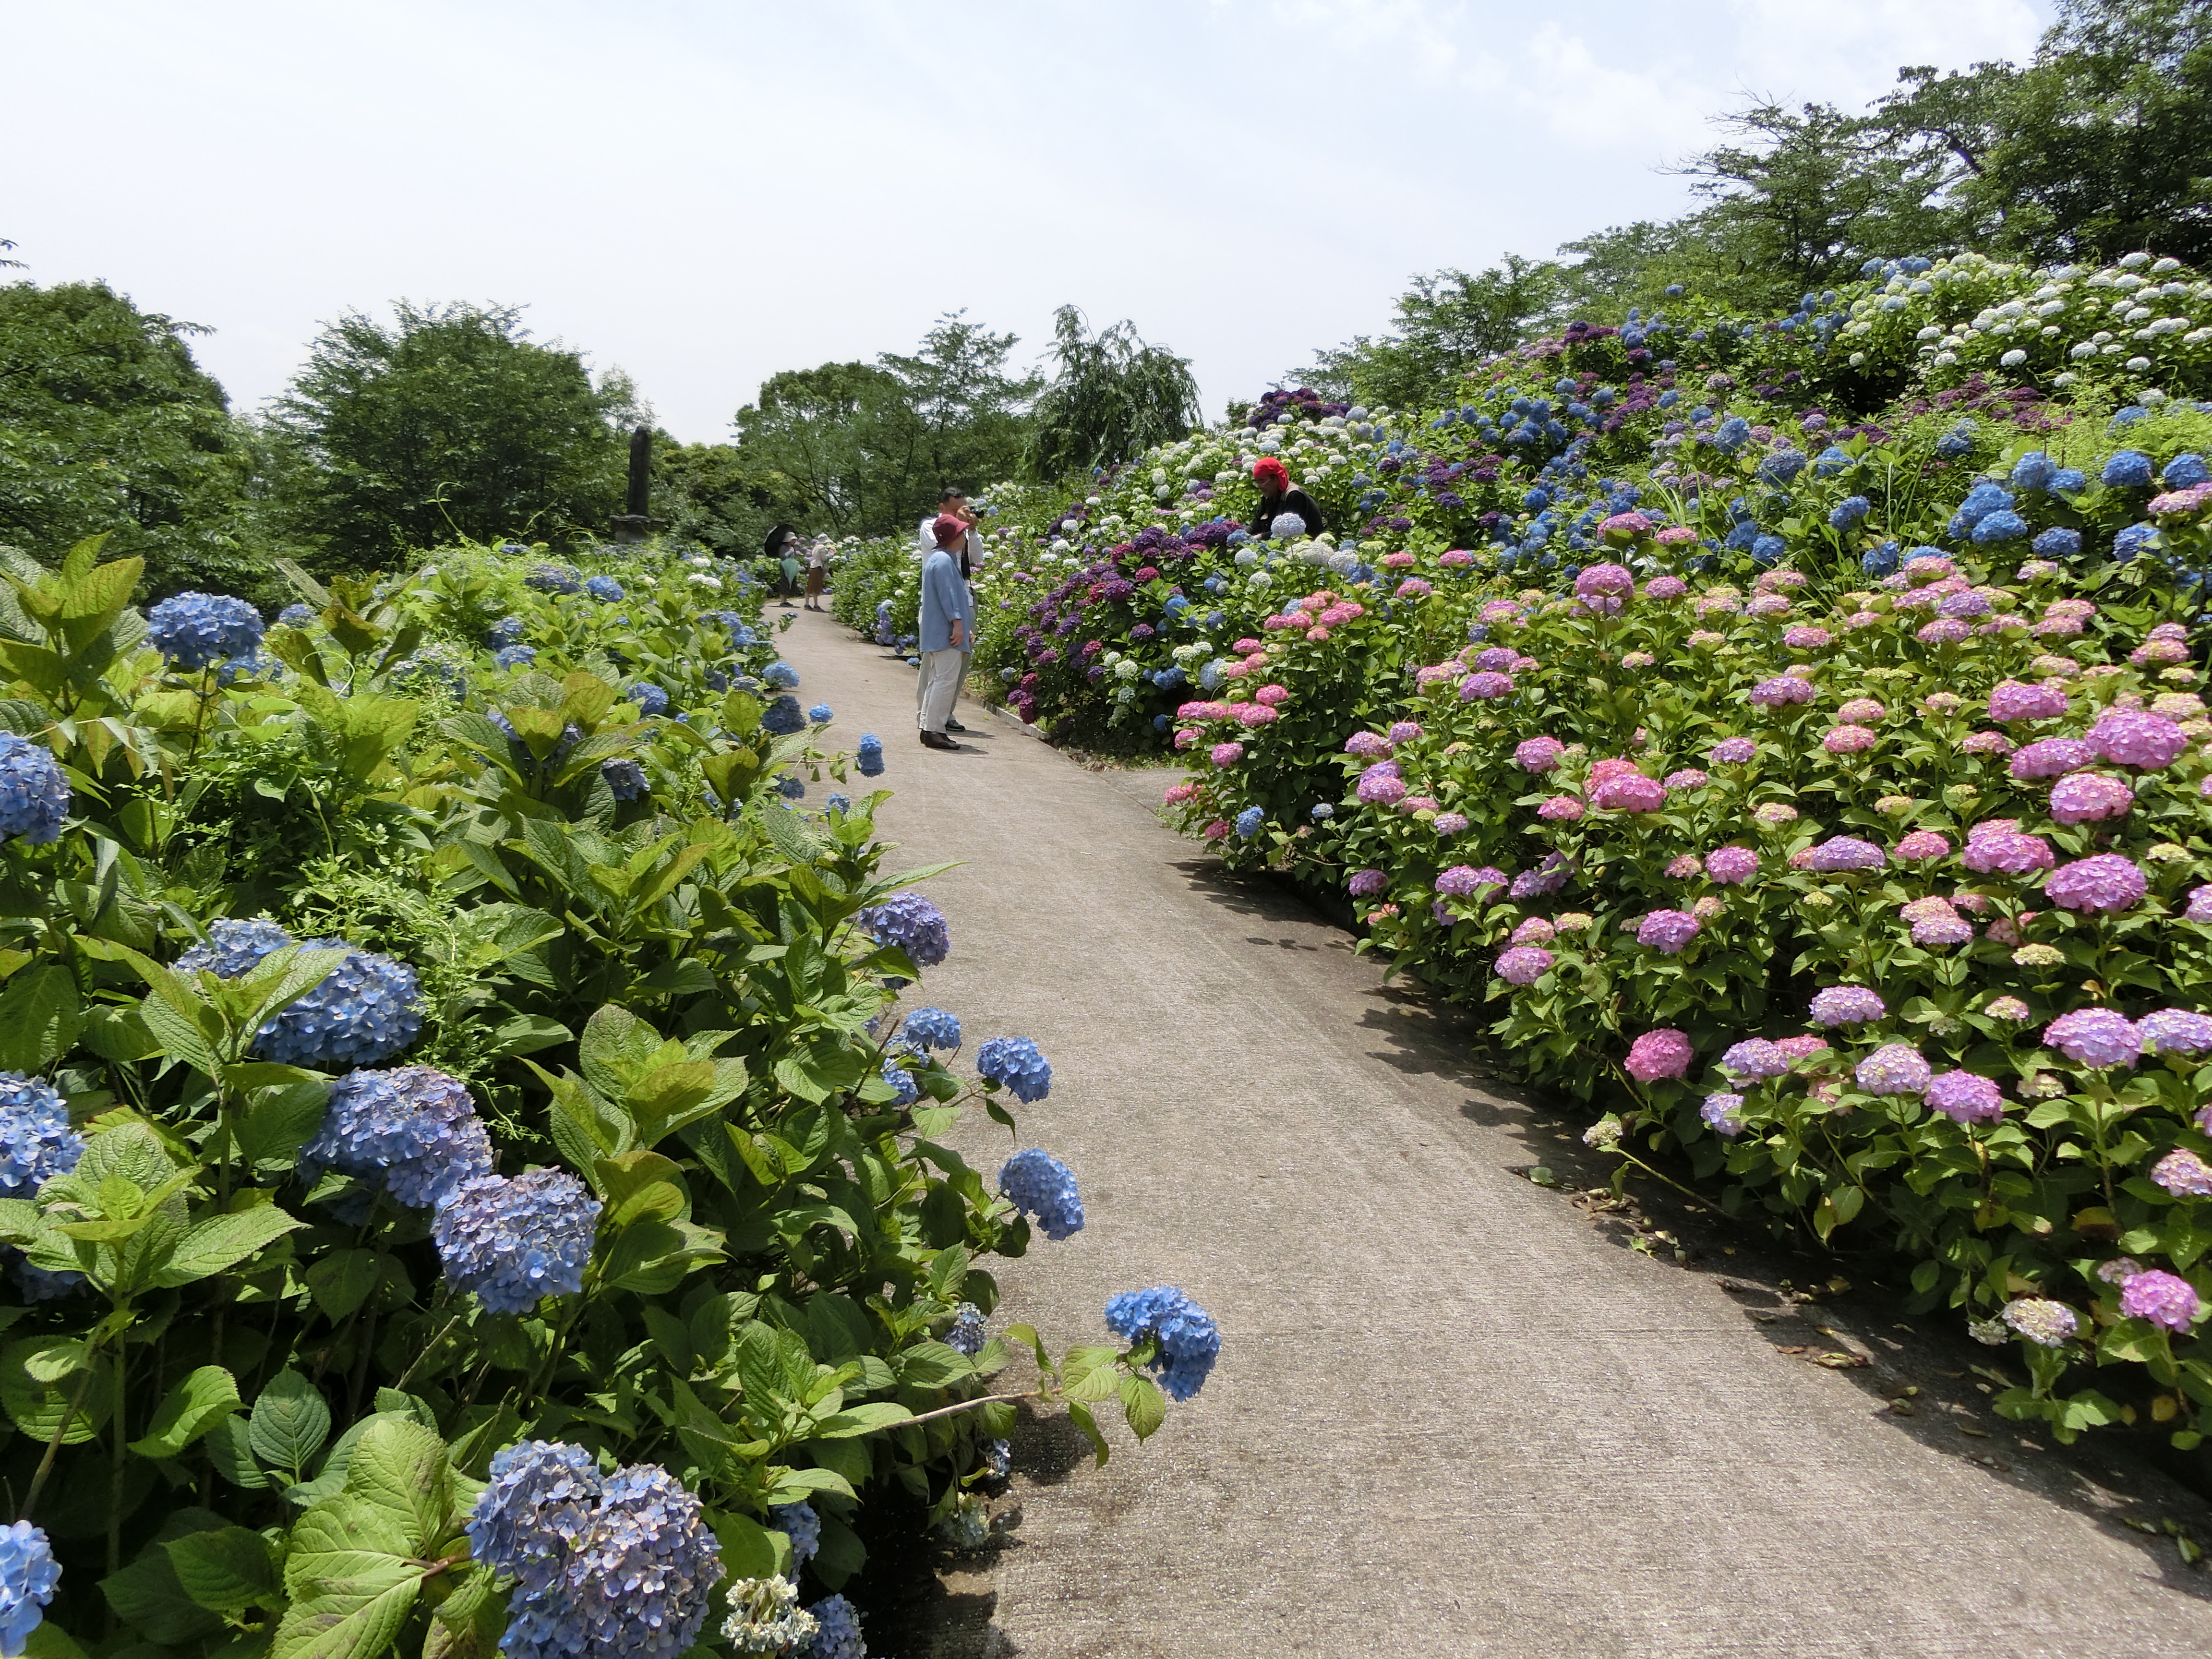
[945,625]
[783,547]
[1277,496]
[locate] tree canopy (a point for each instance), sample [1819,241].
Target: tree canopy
[1113,396]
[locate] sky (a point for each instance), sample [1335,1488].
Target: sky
[704,193]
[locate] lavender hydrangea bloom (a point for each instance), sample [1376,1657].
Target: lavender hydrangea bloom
[1723,1113]
[1847,1005]
[2051,757]
[1755,1057]
[1730,866]
[233,947]
[1894,1069]
[837,1634]
[1779,692]
[365,1010]
[1655,1055]
[554,578]
[539,1499]
[36,1141]
[197,630]
[1016,1063]
[2046,1323]
[1039,1184]
[2163,1299]
[2088,797]
[1189,1341]
[2176,1031]
[1668,930]
[1365,883]
[2133,738]
[1733,751]
[28,1576]
[1843,853]
[1523,964]
[2013,700]
[35,792]
[913,924]
[2183,1173]
[2103,884]
[2094,1036]
[1967,1098]
[414,1130]
[514,1242]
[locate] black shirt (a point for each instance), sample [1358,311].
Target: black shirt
[1296,501]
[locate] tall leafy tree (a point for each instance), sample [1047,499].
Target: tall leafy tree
[1446,324]
[970,416]
[1112,396]
[451,419]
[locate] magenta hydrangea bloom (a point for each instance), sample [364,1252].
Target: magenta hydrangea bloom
[1665,588]
[2161,1297]
[1613,581]
[2183,1173]
[1841,853]
[1525,965]
[1402,732]
[2129,737]
[1688,778]
[1730,866]
[1861,711]
[1535,930]
[2095,1037]
[2087,796]
[1849,739]
[1847,1005]
[1921,844]
[1944,630]
[1967,1098]
[1661,1054]
[1228,754]
[2006,851]
[1498,660]
[1381,789]
[1735,751]
[1782,690]
[1538,754]
[1365,883]
[2013,700]
[1668,930]
[1560,809]
[1723,1113]
[2052,758]
[1367,745]
[1755,1057]
[1894,1069]
[1449,824]
[2176,1031]
[1484,686]
[2104,883]
[1629,792]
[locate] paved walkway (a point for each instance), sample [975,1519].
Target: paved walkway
[1452,1417]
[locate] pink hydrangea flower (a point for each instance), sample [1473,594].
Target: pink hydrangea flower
[1708,908]
[1257,714]
[1688,778]
[1228,754]
[1733,751]
[1625,524]
[1893,1069]
[1414,588]
[2012,700]
[2164,1298]
[1560,809]
[1922,844]
[2104,883]
[1274,696]
[1944,630]
[1847,1005]
[1668,930]
[1246,646]
[1629,792]
[1217,830]
[1774,814]
[1535,930]
[1986,742]
[2011,1008]
[1990,851]
[1402,732]
[1636,659]
[1235,671]
[1484,686]
[2086,797]
[1685,867]
[1365,883]
[1861,711]
[2052,758]
[2127,737]
[1464,880]
[1413,803]
[1936,923]
[1538,754]
[1606,580]
[1669,587]
[1769,604]
[1803,638]
[1458,559]
[1729,866]
[1397,561]
[1967,1098]
[1782,690]
[2183,1173]
[1525,965]
[1179,793]
[1449,824]
[1661,1054]
[1365,744]
[1850,740]
[2200,905]
[2095,1037]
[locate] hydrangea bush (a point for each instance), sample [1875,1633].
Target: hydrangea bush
[452,1183]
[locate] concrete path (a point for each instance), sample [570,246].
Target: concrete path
[1452,1416]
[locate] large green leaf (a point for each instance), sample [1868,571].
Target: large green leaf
[40,1014]
[290,1422]
[400,1467]
[223,1240]
[148,1595]
[346,1604]
[191,1409]
[38,1408]
[227,1571]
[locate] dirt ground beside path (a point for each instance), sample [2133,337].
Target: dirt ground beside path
[1455,1412]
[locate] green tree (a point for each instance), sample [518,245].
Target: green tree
[708,494]
[970,417]
[451,419]
[108,425]
[1113,396]
[1445,325]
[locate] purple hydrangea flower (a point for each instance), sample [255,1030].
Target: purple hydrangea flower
[1365,883]
[1894,1069]
[1841,853]
[2094,1036]
[1525,965]
[1735,751]
[1668,930]
[1755,1057]
[1967,1098]
[1723,1113]
[1847,1005]
[1779,692]
[2051,757]
[2131,738]
[2176,1031]
[1729,866]
[2161,1297]
[2046,1323]
[2087,796]
[911,922]
[2183,1173]
[2104,883]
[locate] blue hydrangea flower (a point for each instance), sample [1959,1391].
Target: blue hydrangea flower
[605,589]
[2056,542]
[1015,1063]
[967,1333]
[800,1523]
[1958,442]
[514,1242]
[911,922]
[1731,434]
[650,698]
[837,803]
[639,1581]
[2034,470]
[34,792]
[2135,539]
[295,615]
[36,1141]
[40,1285]
[1881,561]
[932,1028]
[625,778]
[1782,467]
[1767,550]
[870,755]
[782,717]
[780,675]
[233,947]
[1249,822]
[904,1091]
[1849,511]
[820,714]
[1831,461]
[790,785]
[2069,481]
[508,630]
[1036,1183]
[414,1129]
[28,1576]
[539,1500]
[1998,527]
[2126,469]
[838,1633]
[194,630]
[2186,472]
[553,579]
[515,656]
[365,1012]
[1189,1341]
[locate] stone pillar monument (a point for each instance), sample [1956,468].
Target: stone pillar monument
[631,524]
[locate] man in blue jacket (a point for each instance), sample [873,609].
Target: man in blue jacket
[946,630]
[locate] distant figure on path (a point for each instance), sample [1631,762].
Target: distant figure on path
[945,609]
[1277,496]
[817,571]
[782,546]
[952,503]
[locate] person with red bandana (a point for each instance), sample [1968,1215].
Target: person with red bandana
[1277,496]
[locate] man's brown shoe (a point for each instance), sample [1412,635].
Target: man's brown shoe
[937,740]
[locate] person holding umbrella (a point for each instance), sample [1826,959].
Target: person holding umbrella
[783,547]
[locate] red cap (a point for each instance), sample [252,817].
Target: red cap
[947,530]
[1268,470]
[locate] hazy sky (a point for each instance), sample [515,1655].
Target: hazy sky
[706,194]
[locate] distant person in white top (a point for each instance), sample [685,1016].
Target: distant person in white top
[968,551]
[817,571]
